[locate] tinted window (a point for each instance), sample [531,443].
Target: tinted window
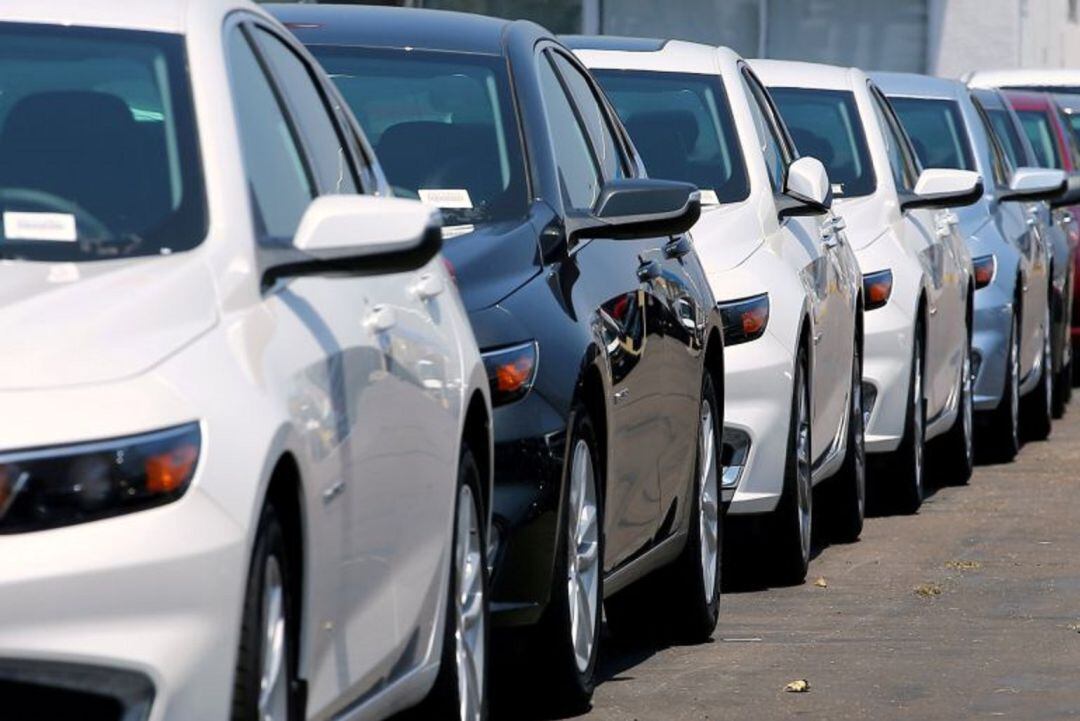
[1001,163]
[826,125]
[1008,135]
[329,158]
[593,117]
[1037,128]
[98,150]
[937,132]
[771,145]
[682,126]
[276,174]
[903,176]
[442,125]
[578,173]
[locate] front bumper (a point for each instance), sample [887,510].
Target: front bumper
[144,604]
[758,381]
[887,370]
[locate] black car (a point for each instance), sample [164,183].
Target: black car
[601,338]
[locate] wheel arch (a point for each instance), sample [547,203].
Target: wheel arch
[477,435]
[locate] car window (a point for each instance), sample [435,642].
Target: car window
[442,125]
[825,124]
[681,125]
[578,170]
[593,116]
[1071,142]
[320,133]
[1036,126]
[99,154]
[772,146]
[1007,134]
[903,168]
[277,176]
[936,130]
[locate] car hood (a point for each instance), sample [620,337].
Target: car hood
[492,260]
[726,235]
[71,324]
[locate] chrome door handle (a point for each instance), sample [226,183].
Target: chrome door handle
[933,310]
[381,318]
[429,286]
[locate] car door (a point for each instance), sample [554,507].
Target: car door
[615,285]
[815,243]
[374,398]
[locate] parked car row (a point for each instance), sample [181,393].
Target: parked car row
[351,348]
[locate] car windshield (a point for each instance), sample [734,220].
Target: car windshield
[1037,128]
[1007,134]
[825,124]
[98,153]
[936,130]
[681,125]
[442,125]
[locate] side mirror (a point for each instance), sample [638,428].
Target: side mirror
[643,208]
[360,234]
[807,190]
[1032,184]
[943,188]
[1071,196]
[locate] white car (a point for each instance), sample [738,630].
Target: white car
[917,269]
[246,457]
[787,283]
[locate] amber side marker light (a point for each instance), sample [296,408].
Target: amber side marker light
[744,319]
[511,371]
[877,287]
[985,268]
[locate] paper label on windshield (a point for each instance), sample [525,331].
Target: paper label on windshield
[838,188]
[708,197]
[40,226]
[446,197]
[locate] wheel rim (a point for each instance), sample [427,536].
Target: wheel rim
[860,438]
[583,581]
[803,481]
[968,407]
[708,502]
[470,632]
[918,414]
[1014,386]
[1048,365]
[273,696]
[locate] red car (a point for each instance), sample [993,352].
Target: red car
[1056,146]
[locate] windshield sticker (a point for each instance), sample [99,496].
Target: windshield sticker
[40,226]
[708,197]
[446,197]
[453,231]
[838,188]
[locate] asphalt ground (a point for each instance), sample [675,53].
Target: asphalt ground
[968,609]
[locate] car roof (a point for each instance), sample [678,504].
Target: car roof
[613,42]
[918,86]
[1069,102]
[797,74]
[393,27]
[170,16]
[673,56]
[1020,77]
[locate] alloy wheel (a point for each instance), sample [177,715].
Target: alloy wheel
[470,628]
[858,417]
[968,408]
[919,417]
[273,687]
[583,563]
[1014,385]
[708,502]
[803,482]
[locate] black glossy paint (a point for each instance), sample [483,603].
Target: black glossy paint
[626,322]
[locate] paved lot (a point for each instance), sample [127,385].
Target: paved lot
[993,633]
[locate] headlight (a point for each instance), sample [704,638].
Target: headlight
[511,371]
[59,486]
[985,267]
[744,319]
[877,287]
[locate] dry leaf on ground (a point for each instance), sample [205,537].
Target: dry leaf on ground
[798,686]
[963,565]
[821,582]
[927,590]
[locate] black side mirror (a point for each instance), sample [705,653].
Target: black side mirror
[1071,194]
[643,208]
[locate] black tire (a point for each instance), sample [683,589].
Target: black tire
[1062,389]
[444,700]
[1001,439]
[845,507]
[789,548]
[956,450]
[563,683]
[908,463]
[1036,407]
[269,547]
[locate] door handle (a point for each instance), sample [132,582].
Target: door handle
[381,318]
[678,247]
[648,270]
[429,286]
